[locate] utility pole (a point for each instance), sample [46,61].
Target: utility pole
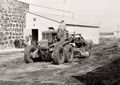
[63,8]
[72,14]
[117,30]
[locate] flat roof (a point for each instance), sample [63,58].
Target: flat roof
[88,26]
[106,33]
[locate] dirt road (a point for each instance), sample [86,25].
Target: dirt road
[14,71]
[17,72]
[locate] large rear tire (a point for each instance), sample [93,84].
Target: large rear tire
[58,55]
[69,52]
[27,54]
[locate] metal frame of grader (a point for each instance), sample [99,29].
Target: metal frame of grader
[51,48]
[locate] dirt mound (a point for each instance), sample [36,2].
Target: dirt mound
[101,68]
[106,75]
[109,50]
[109,73]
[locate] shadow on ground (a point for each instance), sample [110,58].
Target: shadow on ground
[106,75]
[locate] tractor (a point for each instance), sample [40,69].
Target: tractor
[51,48]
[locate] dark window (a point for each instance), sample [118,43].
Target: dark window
[34,19]
[33,24]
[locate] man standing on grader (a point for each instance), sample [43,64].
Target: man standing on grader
[62,30]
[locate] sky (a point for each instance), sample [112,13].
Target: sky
[103,13]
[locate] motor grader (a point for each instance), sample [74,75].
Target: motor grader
[51,48]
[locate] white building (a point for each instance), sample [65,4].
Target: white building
[38,22]
[117,33]
[106,35]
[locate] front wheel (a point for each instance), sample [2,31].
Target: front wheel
[69,52]
[28,53]
[58,55]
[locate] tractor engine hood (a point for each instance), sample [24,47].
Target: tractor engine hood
[44,44]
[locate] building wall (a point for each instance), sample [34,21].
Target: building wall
[12,22]
[107,35]
[42,24]
[116,34]
[90,34]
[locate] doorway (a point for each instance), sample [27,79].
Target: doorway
[35,35]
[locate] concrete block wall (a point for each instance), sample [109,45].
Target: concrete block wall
[12,22]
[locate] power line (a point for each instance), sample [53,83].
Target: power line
[63,7]
[49,8]
[52,8]
[42,16]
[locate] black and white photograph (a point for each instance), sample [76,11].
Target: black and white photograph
[59,42]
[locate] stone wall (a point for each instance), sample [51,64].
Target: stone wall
[12,22]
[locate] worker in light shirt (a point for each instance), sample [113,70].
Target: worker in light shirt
[62,30]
